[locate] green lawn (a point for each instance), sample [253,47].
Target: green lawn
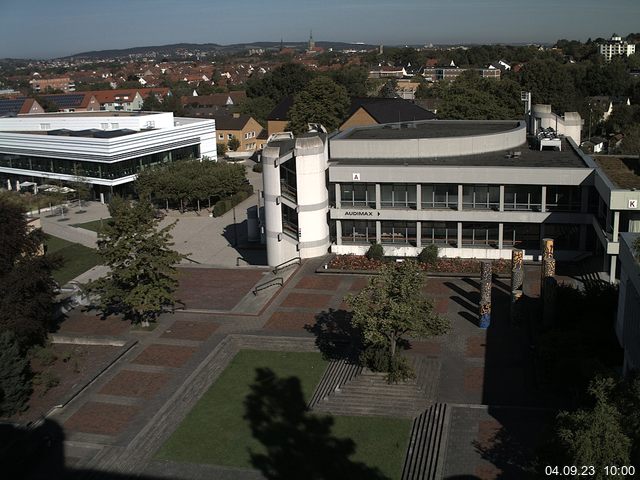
[94,225]
[77,258]
[214,431]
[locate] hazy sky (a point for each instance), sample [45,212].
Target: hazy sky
[48,28]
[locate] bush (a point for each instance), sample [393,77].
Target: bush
[378,359]
[428,255]
[45,355]
[257,168]
[375,252]
[15,384]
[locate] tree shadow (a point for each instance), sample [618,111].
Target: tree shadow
[513,448]
[298,444]
[336,337]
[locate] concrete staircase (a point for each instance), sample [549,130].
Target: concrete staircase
[427,444]
[337,374]
[370,394]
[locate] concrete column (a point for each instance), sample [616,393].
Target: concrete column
[500,235]
[616,225]
[517,279]
[485,294]
[338,232]
[548,282]
[584,199]
[338,196]
[460,193]
[502,198]
[612,270]
[543,200]
[418,234]
[378,201]
[378,230]
[459,239]
[418,197]
[582,242]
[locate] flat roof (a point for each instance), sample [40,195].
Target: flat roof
[429,129]
[101,113]
[623,171]
[528,158]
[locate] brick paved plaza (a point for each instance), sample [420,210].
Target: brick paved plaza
[139,401]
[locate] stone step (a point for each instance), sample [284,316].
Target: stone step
[338,373]
[373,394]
[366,411]
[427,444]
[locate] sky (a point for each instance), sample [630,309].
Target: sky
[52,28]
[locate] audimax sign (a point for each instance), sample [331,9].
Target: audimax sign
[359,213]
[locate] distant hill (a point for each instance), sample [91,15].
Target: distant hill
[173,49]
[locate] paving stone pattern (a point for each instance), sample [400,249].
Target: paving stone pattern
[120,420]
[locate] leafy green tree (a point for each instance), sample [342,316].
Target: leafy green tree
[393,306]
[322,101]
[258,108]
[28,289]
[631,140]
[353,78]
[152,104]
[594,436]
[15,383]
[221,148]
[550,83]
[142,275]
[233,144]
[287,79]
[389,89]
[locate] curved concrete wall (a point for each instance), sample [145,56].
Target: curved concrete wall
[430,147]
[313,196]
[272,209]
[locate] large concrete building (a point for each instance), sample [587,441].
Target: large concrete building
[628,318]
[474,188]
[107,149]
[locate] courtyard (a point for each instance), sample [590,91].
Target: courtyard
[175,403]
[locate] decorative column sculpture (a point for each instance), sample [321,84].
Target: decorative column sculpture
[549,283]
[485,294]
[517,279]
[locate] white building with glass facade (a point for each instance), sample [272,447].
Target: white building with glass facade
[106,149]
[476,189]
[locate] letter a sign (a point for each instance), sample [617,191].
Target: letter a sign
[356,177]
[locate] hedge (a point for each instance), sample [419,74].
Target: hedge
[226,204]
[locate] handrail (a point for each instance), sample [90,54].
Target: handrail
[286,264]
[243,259]
[269,283]
[192,260]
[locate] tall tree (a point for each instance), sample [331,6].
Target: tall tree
[393,306]
[287,79]
[594,436]
[322,101]
[354,79]
[142,266]
[28,289]
[15,383]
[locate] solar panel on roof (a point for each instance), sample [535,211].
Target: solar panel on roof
[11,106]
[66,101]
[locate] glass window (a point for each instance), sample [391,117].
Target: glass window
[481,197]
[483,234]
[290,221]
[400,195]
[398,232]
[441,196]
[523,197]
[565,236]
[288,180]
[521,235]
[441,233]
[562,198]
[358,231]
[358,195]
